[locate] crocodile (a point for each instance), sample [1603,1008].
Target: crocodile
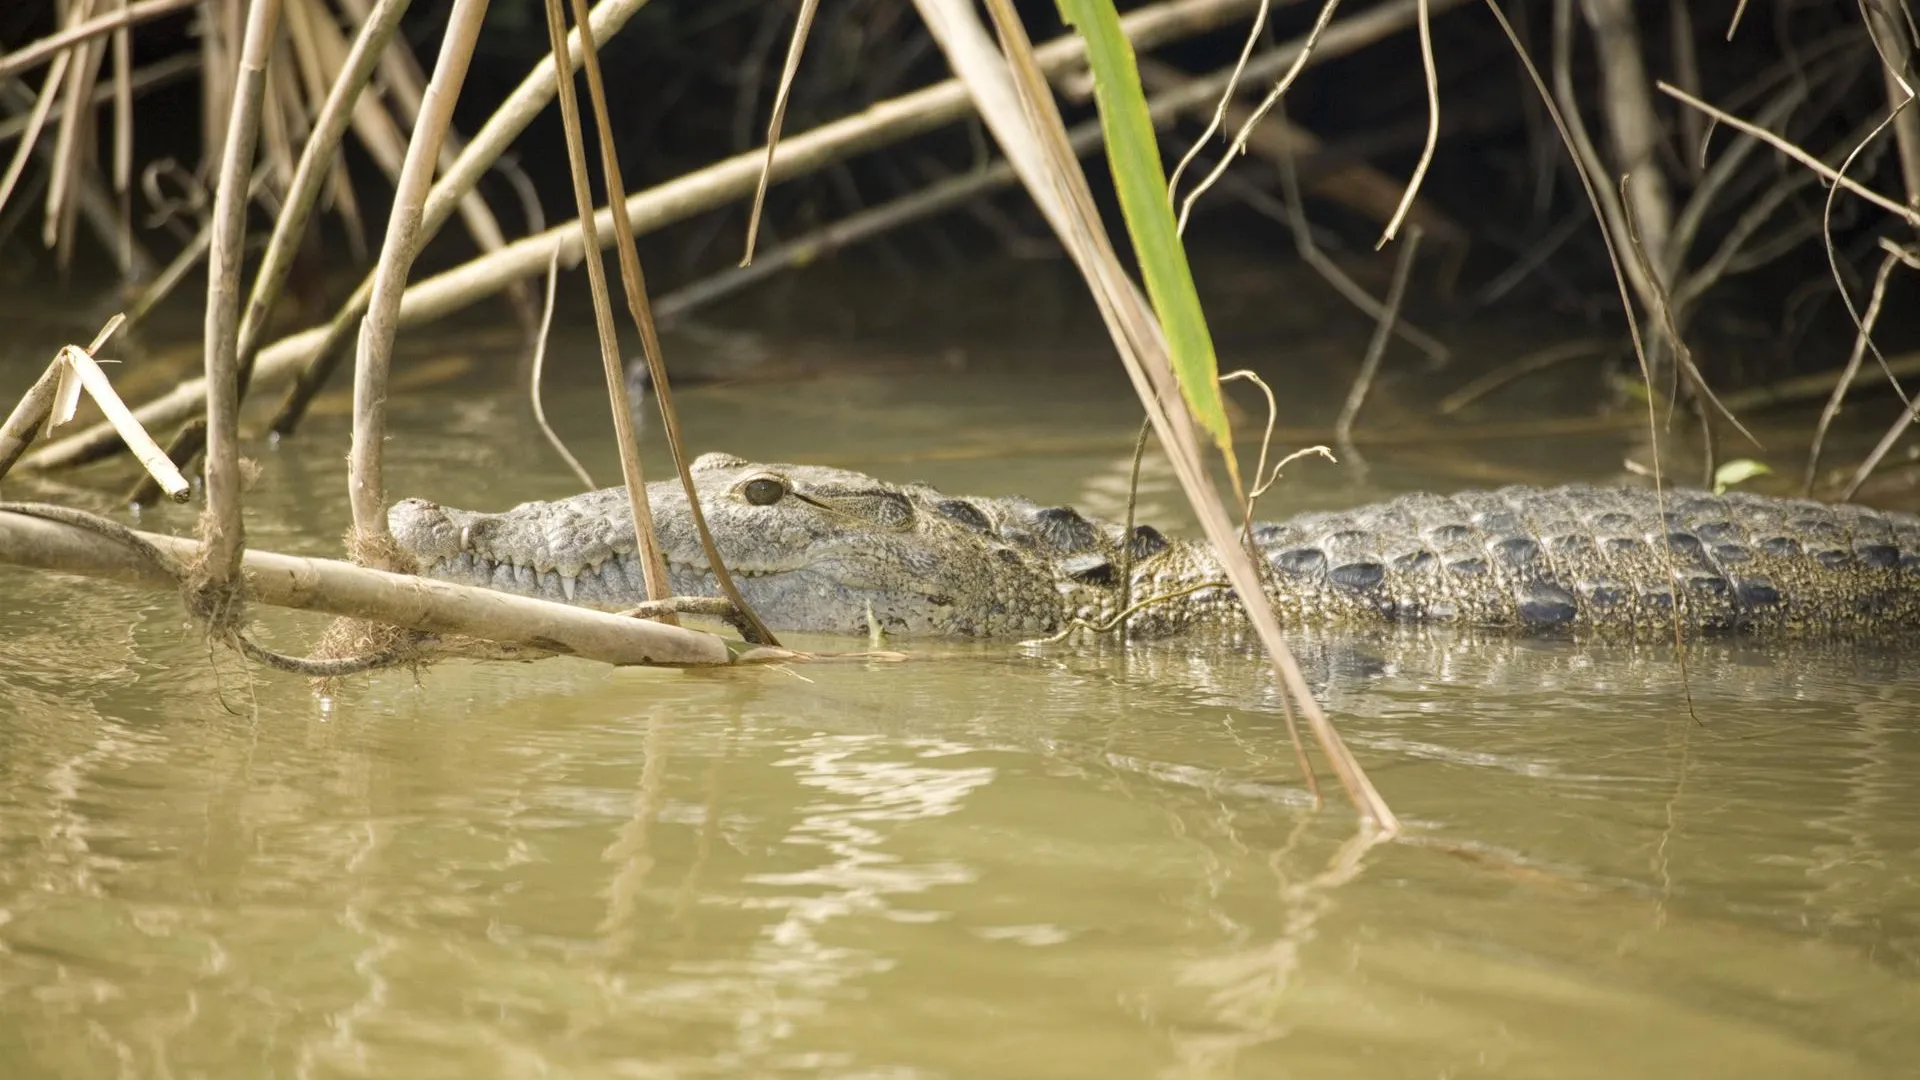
[824,549]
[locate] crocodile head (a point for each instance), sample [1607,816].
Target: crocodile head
[811,548]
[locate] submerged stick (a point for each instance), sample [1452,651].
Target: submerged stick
[341,588]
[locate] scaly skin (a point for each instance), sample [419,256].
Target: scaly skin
[818,549]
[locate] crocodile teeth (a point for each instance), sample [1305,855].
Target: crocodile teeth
[466,538]
[567,583]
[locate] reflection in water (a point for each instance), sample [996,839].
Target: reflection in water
[793,972]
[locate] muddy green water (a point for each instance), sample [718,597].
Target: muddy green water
[988,861]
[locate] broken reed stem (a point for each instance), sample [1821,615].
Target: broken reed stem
[797,45]
[317,159]
[221,524]
[653,566]
[58,44]
[27,418]
[365,484]
[633,280]
[1377,347]
[675,200]
[185,448]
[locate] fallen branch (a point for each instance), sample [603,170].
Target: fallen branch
[340,588]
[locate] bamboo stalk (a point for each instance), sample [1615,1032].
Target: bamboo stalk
[222,525]
[340,588]
[366,489]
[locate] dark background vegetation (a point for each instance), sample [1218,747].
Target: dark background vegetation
[692,81]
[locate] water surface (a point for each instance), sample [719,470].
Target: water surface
[988,861]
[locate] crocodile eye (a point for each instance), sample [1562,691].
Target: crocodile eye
[764,490]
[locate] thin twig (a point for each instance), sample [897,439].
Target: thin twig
[1219,114]
[1908,214]
[1285,82]
[1826,237]
[533,388]
[796,46]
[1263,480]
[1433,129]
[1849,373]
[1377,346]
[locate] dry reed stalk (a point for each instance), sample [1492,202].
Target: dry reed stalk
[653,565]
[1019,108]
[52,399]
[221,525]
[36,120]
[366,488]
[801,24]
[72,146]
[634,282]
